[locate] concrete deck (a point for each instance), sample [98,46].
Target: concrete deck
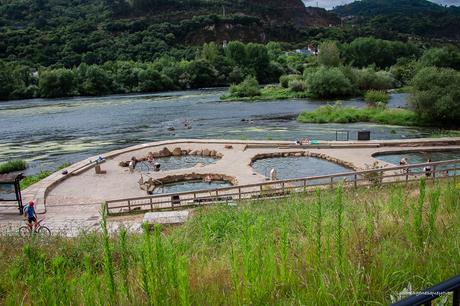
[74,200]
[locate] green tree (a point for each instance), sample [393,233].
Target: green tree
[329,54]
[150,80]
[56,83]
[210,52]
[202,73]
[329,83]
[436,95]
[365,51]
[258,60]
[441,57]
[97,82]
[236,52]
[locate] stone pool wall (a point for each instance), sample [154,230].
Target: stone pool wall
[150,184]
[177,152]
[323,156]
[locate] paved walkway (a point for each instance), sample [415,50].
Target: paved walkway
[74,200]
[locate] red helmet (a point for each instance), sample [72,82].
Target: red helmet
[31,203]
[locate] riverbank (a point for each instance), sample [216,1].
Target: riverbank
[339,114]
[267,93]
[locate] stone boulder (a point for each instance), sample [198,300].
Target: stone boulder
[177,152]
[206,152]
[165,152]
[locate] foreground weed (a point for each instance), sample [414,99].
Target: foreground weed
[418,213]
[434,206]
[108,263]
[339,223]
[124,264]
[319,222]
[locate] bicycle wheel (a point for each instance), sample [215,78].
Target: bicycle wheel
[44,231]
[24,231]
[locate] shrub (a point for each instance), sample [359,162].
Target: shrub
[441,57]
[436,95]
[297,85]
[339,114]
[404,70]
[329,83]
[248,88]
[57,83]
[12,165]
[285,79]
[370,79]
[376,96]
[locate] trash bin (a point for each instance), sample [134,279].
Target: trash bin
[364,135]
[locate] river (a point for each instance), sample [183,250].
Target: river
[50,132]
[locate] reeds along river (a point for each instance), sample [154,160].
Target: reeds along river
[50,132]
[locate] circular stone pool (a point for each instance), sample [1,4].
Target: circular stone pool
[190,186]
[297,167]
[418,157]
[176,162]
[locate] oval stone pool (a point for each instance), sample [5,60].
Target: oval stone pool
[297,167]
[419,157]
[177,162]
[190,186]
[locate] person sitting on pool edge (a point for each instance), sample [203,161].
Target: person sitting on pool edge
[208,179]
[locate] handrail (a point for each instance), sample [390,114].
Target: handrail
[455,161]
[240,190]
[425,297]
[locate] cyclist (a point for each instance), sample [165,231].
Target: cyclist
[31,214]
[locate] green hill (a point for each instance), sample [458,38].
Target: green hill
[390,18]
[388,7]
[68,32]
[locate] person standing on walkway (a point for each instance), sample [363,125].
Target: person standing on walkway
[427,169]
[31,215]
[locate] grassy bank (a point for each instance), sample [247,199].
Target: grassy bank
[338,247]
[338,114]
[32,179]
[268,93]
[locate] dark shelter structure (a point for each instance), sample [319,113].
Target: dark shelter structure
[10,189]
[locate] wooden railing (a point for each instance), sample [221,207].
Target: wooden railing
[281,188]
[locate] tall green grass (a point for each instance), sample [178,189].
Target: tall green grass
[353,247]
[339,114]
[12,165]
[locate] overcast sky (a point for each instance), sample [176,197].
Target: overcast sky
[329,4]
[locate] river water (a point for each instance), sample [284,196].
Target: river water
[50,132]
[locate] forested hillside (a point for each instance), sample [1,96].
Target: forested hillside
[68,32]
[389,18]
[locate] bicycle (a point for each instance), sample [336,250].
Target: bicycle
[30,229]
